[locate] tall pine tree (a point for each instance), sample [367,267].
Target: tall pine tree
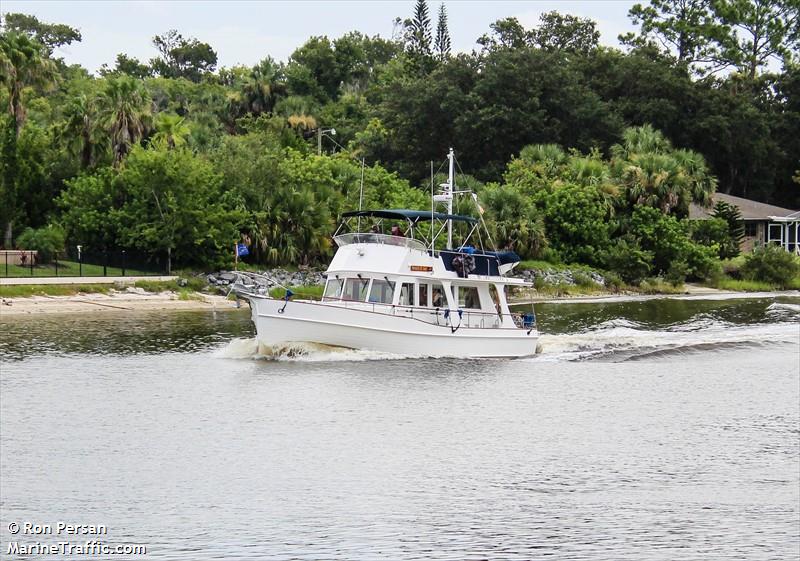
[442,43]
[418,37]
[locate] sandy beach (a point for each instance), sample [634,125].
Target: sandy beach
[115,301]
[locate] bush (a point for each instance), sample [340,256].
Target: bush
[714,232]
[628,260]
[772,264]
[46,241]
[613,281]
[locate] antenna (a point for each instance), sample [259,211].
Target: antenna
[433,204]
[361,194]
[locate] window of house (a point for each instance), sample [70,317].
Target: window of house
[775,233]
[406,294]
[750,229]
[333,289]
[468,297]
[355,289]
[382,291]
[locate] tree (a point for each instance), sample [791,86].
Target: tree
[182,58]
[654,174]
[51,36]
[442,42]
[128,65]
[685,27]
[125,112]
[80,130]
[760,30]
[735,228]
[507,33]
[171,131]
[717,34]
[22,64]
[565,33]
[418,37]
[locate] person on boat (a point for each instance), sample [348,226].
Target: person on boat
[397,231]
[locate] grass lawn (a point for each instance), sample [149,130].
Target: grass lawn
[68,269]
[313,292]
[26,290]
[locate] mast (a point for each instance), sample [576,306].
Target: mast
[446,195]
[451,160]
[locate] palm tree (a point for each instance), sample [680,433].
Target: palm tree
[549,156]
[701,184]
[638,140]
[653,173]
[262,87]
[298,111]
[591,171]
[171,131]
[22,64]
[655,180]
[80,130]
[125,110]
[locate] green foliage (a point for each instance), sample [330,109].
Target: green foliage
[732,216]
[47,241]
[598,132]
[49,35]
[182,58]
[772,264]
[674,253]
[714,232]
[628,260]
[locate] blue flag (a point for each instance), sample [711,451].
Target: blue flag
[241,250]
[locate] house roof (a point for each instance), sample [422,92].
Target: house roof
[751,210]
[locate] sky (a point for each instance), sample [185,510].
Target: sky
[244,32]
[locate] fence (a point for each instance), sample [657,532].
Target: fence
[74,263]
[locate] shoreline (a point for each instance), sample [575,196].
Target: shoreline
[169,301]
[113,302]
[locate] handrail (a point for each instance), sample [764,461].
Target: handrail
[375,238]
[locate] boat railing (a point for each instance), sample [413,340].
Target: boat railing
[438,316]
[375,238]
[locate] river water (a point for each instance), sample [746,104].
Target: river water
[659,429]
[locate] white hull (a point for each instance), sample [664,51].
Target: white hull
[305,321]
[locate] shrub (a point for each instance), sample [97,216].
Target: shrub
[46,241]
[613,281]
[628,260]
[714,232]
[772,264]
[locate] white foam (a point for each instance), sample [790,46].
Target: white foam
[301,352]
[609,338]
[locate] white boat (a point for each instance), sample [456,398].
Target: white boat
[400,295]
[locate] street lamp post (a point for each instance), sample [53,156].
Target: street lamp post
[320,132]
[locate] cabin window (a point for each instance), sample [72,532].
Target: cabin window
[750,229]
[406,294]
[468,297]
[333,289]
[422,295]
[382,291]
[355,289]
[438,299]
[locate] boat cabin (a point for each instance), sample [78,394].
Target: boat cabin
[402,275]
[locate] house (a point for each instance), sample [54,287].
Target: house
[763,223]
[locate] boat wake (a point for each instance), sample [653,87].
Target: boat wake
[615,340]
[622,340]
[251,349]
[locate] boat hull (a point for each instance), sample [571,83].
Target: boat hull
[279,323]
